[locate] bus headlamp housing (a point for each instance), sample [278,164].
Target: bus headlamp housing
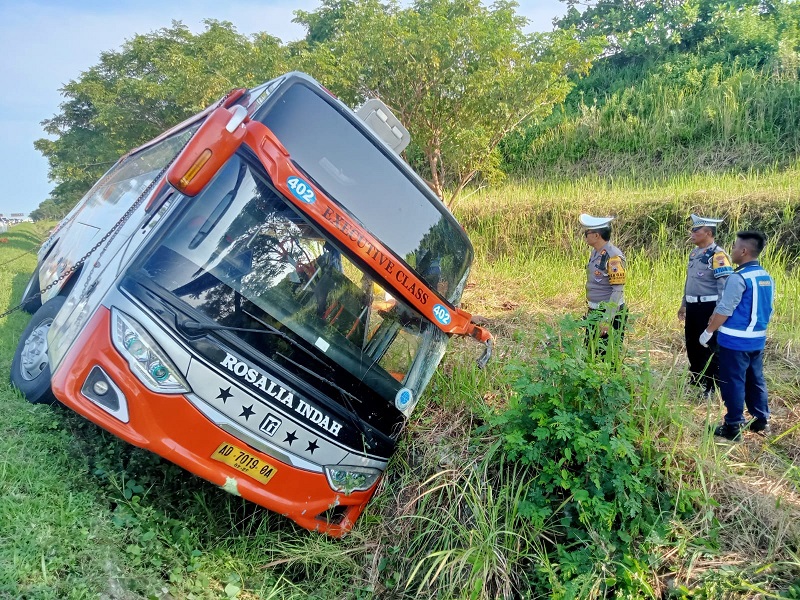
[146,359]
[348,479]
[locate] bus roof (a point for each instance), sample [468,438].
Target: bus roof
[370,182]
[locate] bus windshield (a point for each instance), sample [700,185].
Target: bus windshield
[243,257]
[371,185]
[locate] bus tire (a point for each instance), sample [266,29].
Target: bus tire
[30,304]
[30,369]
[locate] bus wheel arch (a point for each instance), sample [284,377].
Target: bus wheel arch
[28,304]
[30,369]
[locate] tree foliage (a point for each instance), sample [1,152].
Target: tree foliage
[642,29]
[462,76]
[152,83]
[705,85]
[459,75]
[633,26]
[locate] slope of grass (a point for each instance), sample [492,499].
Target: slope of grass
[84,515]
[678,112]
[530,269]
[529,248]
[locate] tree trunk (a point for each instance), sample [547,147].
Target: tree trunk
[434,162]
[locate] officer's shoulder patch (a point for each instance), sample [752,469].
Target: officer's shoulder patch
[616,271]
[721,264]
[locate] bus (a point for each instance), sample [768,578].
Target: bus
[259,295]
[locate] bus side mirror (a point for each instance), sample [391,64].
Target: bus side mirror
[210,147]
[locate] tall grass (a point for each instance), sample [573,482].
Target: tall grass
[687,113]
[530,252]
[470,540]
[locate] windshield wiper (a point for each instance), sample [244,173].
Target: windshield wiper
[362,426]
[195,326]
[355,418]
[219,210]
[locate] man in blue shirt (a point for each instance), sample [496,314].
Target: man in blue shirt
[740,320]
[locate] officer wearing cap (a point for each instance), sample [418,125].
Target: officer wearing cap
[605,276]
[709,267]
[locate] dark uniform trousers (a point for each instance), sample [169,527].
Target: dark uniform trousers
[617,324]
[703,362]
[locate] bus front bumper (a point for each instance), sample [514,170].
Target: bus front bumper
[171,427]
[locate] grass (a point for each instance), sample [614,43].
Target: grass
[530,268]
[83,515]
[682,112]
[536,258]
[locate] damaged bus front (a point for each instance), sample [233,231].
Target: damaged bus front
[260,295]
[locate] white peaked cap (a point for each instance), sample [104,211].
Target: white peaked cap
[698,221]
[591,222]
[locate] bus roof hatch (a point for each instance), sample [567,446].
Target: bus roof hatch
[381,120]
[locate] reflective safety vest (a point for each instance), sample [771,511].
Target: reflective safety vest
[746,328]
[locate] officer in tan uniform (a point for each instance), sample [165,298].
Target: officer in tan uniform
[605,278]
[709,267]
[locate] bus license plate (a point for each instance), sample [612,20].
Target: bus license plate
[258,469]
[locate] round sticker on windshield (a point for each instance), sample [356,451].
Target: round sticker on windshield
[442,314]
[301,190]
[403,399]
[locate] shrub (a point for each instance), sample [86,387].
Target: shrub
[574,419]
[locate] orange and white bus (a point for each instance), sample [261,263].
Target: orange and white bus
[259,295]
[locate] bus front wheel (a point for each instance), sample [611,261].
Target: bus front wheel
[30,369]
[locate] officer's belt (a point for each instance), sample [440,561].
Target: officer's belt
[693,299]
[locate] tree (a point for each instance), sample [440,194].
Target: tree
[634,26]
[459,75]
[641,29]
[153,82]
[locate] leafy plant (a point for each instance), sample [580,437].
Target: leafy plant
[597,480]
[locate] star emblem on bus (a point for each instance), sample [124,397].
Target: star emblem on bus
[247,412]
[312,446]
[290,437]
[224,394]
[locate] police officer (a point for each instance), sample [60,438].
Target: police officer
[605,278]
[709,267]
[740,320]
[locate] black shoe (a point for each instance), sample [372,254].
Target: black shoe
[729,432]
[760,426]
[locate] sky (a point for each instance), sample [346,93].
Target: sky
[48,43]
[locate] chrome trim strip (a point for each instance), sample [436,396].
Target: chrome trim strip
[226,424]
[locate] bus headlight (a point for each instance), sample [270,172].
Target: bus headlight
[147,360]
[351,479]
